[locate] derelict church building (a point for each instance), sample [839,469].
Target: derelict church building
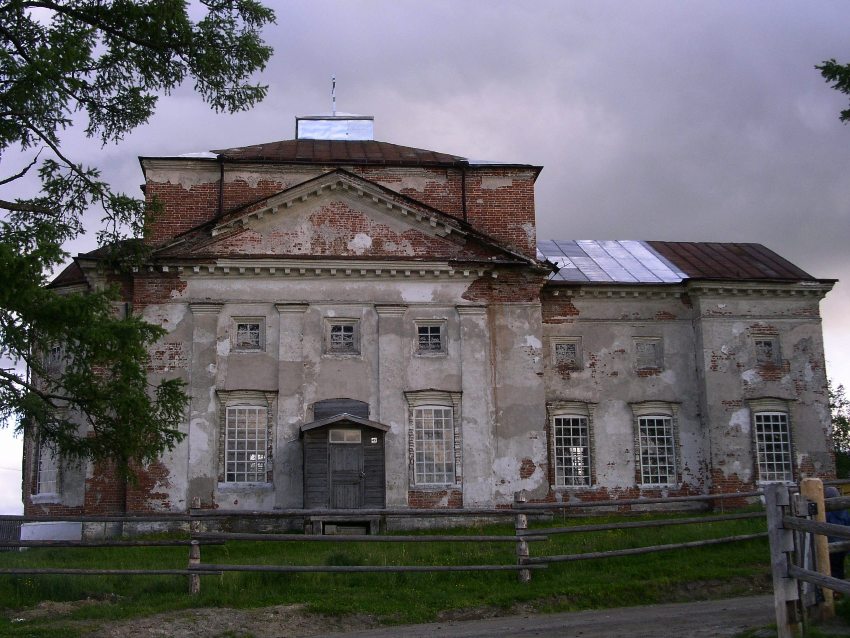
[361,324]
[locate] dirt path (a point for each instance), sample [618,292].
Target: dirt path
[707,619]
[704,619]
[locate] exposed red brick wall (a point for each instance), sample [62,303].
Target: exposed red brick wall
[507,286]
[155,287]
[499,201]
[558,308]
[506,212]
[330,231]
[422,499]
[145,495]
[104,491]
[179,209]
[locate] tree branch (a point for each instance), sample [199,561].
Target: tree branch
[26,169]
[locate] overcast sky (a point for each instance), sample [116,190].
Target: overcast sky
[682,121]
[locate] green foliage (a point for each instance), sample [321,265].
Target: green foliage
[686,574]
[839,407]
[839,76]
[102,65]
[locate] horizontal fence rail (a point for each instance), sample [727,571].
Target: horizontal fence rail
[635,551]
[520,511]
[363,538]
[287,569]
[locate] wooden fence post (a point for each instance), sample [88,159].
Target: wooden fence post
[520,525]
[812,490]
[781,542]
[194,559]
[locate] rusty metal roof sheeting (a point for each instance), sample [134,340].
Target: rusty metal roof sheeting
[340,152]
[711,260]
[592,261]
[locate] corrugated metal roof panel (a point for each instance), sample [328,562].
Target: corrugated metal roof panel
[632,261]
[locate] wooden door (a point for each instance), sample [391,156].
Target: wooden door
[345,466]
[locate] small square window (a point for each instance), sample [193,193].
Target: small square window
[249,334]
[648,354]
[430,338]
[566,353]
[342,337]
[767,350]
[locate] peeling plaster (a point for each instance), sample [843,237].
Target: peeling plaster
[740,420]
[750,376]
[167,315]
[222,347]
[489,182]
[360,243]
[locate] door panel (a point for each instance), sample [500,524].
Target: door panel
[346,475]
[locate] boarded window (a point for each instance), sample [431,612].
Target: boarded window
[246,442]
[657,450]
[572,450]
[648,355]
[767,350]
[433,442]
[773,446]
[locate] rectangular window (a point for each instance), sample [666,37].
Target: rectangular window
[246,441]
[773,446]
[344,436]
[567,352]
[767,350]
[572,451]
[657,450]
[648,355]
[342,337]
[430,338]
[47,475]
[433,443]
[249,334]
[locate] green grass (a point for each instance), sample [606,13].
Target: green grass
[411,597]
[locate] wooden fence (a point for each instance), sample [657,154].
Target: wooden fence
[799,551]
[524,563]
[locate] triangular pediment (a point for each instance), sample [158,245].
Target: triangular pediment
[340,215]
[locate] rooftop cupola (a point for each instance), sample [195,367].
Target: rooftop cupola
[339,126]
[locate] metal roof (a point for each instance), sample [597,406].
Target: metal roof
[630,261]
[311,151]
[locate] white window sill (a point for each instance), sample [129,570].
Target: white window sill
[47,497]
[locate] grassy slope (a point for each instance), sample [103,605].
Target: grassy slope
[415,597]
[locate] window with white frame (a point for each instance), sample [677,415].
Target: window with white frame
[566,352]
[434,433]
[433,444]
[430,337]
[571,447]
[655,442]
[342,336]
[47,471]
[249,334]
[773,446]
[246,444]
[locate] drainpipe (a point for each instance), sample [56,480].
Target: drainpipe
[220,186]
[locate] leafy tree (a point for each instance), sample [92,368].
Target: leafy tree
[839,406]
[74,373]
[839,75]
